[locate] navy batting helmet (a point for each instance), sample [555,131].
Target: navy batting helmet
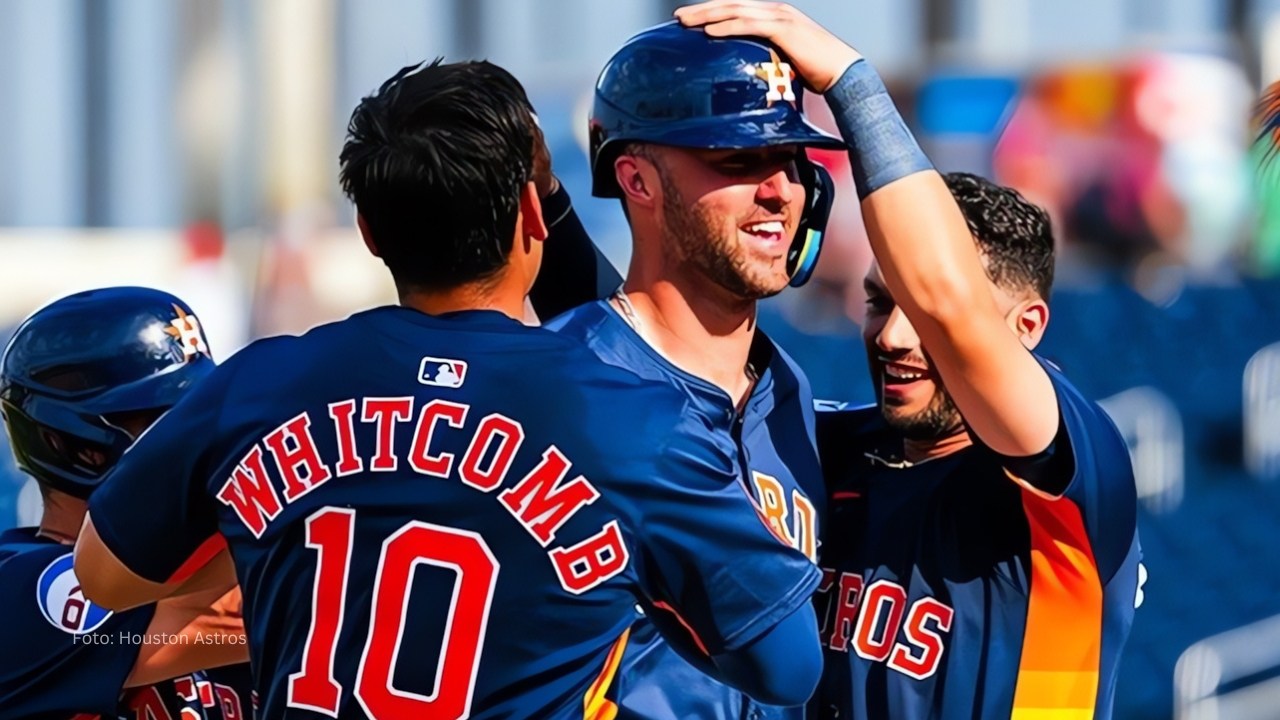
[82,360]
[677,86]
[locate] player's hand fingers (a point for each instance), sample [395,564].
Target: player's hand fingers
[715,10]
[817,55]
[718,15]
[737,27]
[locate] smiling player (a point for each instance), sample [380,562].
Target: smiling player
[982,557]
[724,209]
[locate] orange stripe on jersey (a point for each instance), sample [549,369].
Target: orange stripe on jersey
[696,640]
[201,557]
[595,706]
[1062,643]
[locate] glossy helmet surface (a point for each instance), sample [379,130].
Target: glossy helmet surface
[77,363]
[676,86]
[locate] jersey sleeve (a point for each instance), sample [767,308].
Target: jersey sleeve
[62,654]
[708,558]
[153,510]
[1087,466]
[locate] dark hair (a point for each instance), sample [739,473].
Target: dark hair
[1014,236]
[435,161]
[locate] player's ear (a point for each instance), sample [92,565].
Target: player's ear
[533,225]
[366,235]
[637,177]
[1029,319]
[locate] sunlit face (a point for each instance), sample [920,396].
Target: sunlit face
[912,397]
[731,214]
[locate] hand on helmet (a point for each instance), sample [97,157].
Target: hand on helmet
[818,56]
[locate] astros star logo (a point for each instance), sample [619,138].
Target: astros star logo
[186,330]
[778,76]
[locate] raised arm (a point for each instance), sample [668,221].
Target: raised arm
[574,271]
[112,584]
[929,260]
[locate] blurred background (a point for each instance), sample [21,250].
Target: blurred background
[192,145]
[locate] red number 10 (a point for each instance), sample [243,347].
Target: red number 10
[330,531]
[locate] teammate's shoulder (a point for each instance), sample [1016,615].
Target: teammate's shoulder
[634,424]
[785,375]
[780,360]
[1061,383]
[267,350]
[632,393]
[1073,403]
[23,548]
[673,436]
[37,578]
[1085,422]
[581,320]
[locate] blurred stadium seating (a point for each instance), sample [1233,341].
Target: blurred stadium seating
[1209,546]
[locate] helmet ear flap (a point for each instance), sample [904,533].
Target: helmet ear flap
[601,156]
[819,193]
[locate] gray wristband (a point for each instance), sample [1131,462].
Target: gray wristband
[881,148]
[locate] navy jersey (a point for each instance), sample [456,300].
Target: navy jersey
[436,516]
[953,589]
[66,657]
[773,447]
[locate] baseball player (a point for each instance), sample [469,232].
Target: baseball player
[434,510]
[703,142]
[80,379]
[982,557]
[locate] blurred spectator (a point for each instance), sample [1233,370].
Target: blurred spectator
[285,300]
[1265,154]
[212,283]
[1142,162]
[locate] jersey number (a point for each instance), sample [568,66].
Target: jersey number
[331,531]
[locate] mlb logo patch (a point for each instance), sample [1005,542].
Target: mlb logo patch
[62,603]
[442,372]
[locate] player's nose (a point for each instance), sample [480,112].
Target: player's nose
[778,190]
[898,333]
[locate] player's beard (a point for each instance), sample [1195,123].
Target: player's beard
[940,418]
[694,234]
